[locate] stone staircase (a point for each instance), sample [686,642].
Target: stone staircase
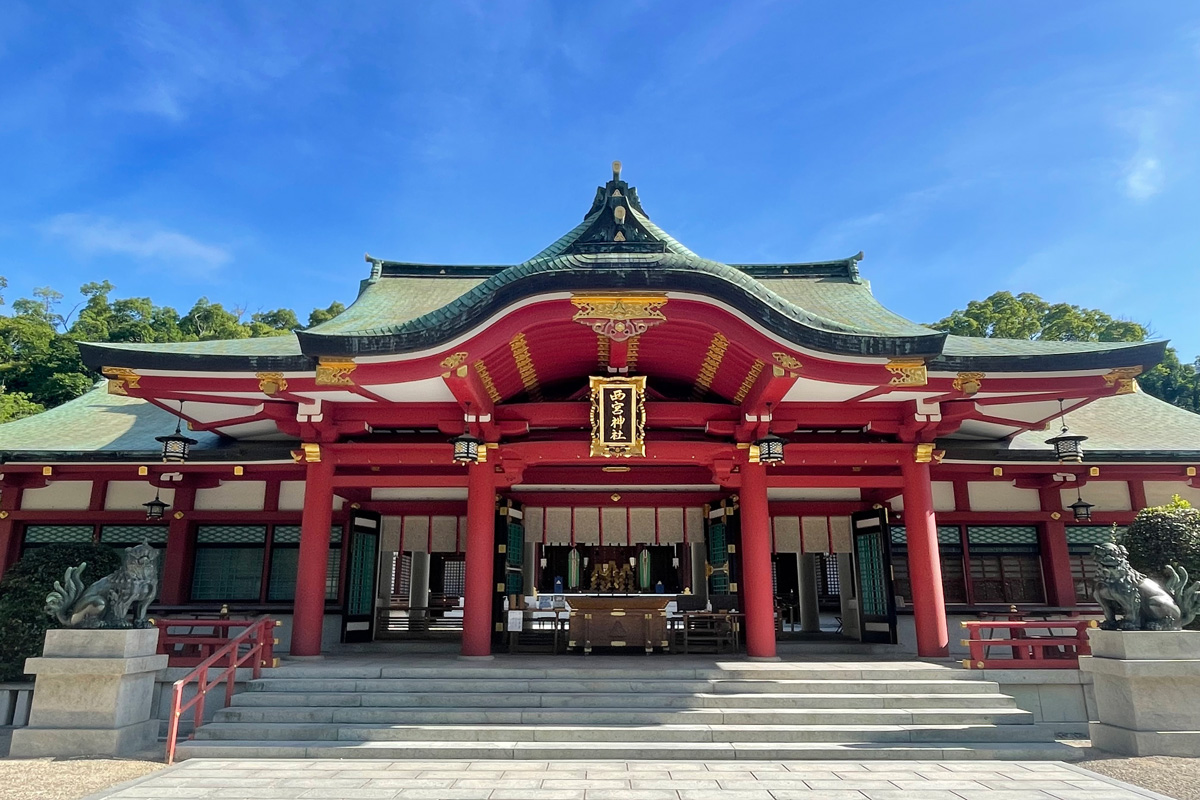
[646,709]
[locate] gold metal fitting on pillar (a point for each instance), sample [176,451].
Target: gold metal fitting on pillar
[923,453]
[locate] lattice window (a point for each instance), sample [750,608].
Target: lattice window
[1002,535]
[402,576]
[231,534]
[285,560]
[133,534]
[831,585]
[1080,541]
[227,574]
[947,536]
[1006,578]
[58,534]
[454,576]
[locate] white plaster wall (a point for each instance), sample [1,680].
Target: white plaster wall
[1159,492]
[1001,496]
[131,495]
[817,495]
[233,496]
[59,496]
[943,496]
[291,495]
[1104,495]
[389,539]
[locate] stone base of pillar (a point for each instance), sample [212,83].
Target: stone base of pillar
[1147,686]
[92,696]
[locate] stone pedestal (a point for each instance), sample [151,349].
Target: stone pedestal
[93,694]
[1147,686]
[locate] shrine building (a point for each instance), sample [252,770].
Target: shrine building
[615,423]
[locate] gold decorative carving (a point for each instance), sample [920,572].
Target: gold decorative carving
[908,372]
[271,382]
[969,382]
[335,372]
[602,350]
[712,362]
[755,370]
[788,361]
[618,416]
[631,353]
[525,367]
[485,378]
[1122,378]
[120,379]
[923,453]
[619,317]
[454,360]
[312,452]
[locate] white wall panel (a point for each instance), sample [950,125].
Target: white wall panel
[1159,493]
[587,526]
[534,523]
[672,525]
[839,535]
[693,525]
[644,522]
[614,526]
[814,534]
[131,495]
[232,496]
[558,525]
[1104,495]
[445,534]
[1001,496]
[787,534]
[943,496]
[416,534]
[291,495]
[389,539]
[60,496]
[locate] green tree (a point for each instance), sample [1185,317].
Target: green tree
[320,315]
[1027,316]
[207,321]
[14,405]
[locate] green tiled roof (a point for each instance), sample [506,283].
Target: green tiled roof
[825,307]
[1128,425]
[96,422]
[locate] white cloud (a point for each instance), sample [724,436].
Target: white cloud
[95,235]
[1143,177]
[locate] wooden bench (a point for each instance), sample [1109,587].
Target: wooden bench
[1028,648]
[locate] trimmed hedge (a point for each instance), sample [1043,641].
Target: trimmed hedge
[23,618]
[1164,535]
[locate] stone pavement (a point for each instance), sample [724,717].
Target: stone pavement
[625,780]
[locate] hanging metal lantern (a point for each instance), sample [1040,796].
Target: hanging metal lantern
[466,448]
[1068,448]
[1081,508]
[176,447]
[155,508]
[770,449]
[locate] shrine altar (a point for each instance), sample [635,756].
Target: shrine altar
[619,621]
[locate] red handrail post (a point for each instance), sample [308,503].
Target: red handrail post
[227,660]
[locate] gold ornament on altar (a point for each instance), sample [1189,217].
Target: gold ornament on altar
[618,416]
[608,577]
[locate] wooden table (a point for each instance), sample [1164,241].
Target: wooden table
[715,628]
[621,621]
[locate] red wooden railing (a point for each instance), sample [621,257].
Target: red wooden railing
[1033,644]
[187,642]
[258,641]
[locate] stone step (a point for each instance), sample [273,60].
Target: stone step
[331,715]
[637,685]
[598,751]
[629,733]
[620,700]
[581,670]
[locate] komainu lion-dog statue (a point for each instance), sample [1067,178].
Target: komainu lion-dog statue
[1142,602]
[106,603]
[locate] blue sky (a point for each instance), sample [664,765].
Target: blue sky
[251,152]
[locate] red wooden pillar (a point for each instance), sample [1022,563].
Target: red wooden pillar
[1056,559]
[481,540]
[177,561]
[10,501]
[924,564]
[756,563]
[314,558]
